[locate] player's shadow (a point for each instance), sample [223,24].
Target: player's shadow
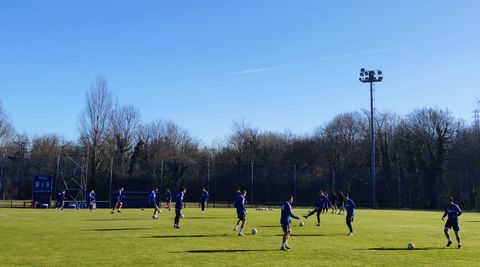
[118,219]
[308,235]
[186,236]
[119,229]
[224,250]
[202,218]
[397,249]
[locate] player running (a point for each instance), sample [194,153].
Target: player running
[241,211]
[152,201]
[61,200]
[168,199]
[178,207]
[452,211]
[119,204]
[203,199]
[92,200]
[349,206]
[285,221]
[321,203]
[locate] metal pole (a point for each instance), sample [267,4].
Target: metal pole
[372,152]
[251,191]
[208,176]
[56,178]
[295,182]
[111,178]
[161,175]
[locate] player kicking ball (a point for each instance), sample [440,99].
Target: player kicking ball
[152,200]
[285,221]
[452,211]
[241,211]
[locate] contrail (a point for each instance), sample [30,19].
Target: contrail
[314,61]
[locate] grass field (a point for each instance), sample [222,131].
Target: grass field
[98,238]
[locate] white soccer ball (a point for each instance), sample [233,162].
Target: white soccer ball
[301,224]
[410,246]
[254,231]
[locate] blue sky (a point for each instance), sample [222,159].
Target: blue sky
[203,64]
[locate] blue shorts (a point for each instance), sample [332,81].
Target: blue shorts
[241,214]
[286,228]
[452,224]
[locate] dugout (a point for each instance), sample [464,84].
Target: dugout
[41,191]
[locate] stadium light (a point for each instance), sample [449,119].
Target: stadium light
[372,76]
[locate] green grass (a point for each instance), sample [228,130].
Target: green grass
[79,237]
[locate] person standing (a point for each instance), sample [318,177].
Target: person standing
[119,204]
[153,202]
[168,199]
[349,206]
[92,199]
[61,200]
[203,199]
[179,204]
[285,221]
[452,211]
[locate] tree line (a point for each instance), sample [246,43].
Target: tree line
[421,157]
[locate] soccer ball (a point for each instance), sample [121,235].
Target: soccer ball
[254,231]
[410,246]
[301,224]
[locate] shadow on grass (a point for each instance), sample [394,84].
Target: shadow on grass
[118,219]
[185,236]
[397,249]
[300,235]
[202,218]
[118,229]
[224,250]
[473,221]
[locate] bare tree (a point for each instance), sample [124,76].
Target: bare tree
[124,122]
[93,124]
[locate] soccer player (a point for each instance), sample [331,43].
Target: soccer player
[92,200]
[341,208]
[319,206]
[333,201]
[168,199]
[241,211]
[349,206]
[452,211]
[179,206]
[203,199]
[152,201]
[285,221]
[119,204]
[61,200]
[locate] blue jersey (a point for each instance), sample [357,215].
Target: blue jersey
[239,202]
[119,196]
[168,196]
[61,195]
[349,206]
[287,213]
[179,203]
[322,202]
[92,196]
[204,196]
[152,199]
[453,211]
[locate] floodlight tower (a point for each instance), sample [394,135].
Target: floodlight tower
[372,76]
